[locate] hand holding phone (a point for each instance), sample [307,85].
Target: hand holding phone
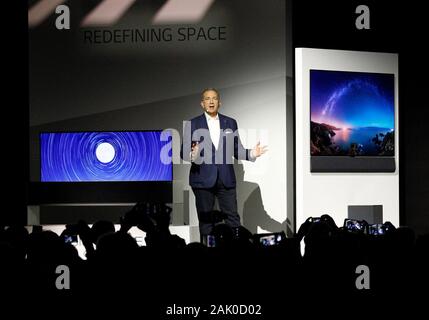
[194,150]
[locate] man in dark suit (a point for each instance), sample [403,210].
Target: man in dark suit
[210,142]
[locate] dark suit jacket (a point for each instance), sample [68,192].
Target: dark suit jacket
[211,162]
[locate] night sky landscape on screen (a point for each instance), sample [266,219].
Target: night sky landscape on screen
[104,156]
[352,113]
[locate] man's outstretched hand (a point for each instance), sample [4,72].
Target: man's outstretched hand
[259,150]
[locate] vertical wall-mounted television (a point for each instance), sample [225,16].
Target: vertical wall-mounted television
[104,167]
[352,121]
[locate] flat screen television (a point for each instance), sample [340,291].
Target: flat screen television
[104,167]
[352,121]
[104,156]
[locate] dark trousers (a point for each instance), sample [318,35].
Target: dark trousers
[205,200]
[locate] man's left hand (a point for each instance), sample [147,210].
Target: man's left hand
[259,150]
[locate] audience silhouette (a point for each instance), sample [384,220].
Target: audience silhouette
[319,255]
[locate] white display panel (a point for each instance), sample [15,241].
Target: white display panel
[332,193]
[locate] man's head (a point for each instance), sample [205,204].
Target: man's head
[210,101]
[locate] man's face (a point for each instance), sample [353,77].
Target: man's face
[210,102]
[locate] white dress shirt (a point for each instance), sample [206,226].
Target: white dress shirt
[214,128]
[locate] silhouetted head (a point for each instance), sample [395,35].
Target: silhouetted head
[317,224]
[319,239]
[116,246]
[101,227]
[47,247]
[17,237]
[195,245]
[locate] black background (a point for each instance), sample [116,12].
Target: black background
[400,28]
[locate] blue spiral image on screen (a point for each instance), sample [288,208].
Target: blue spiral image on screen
[105,156]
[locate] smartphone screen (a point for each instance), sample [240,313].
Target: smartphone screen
[70,239]
[268,240]
[211,241]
